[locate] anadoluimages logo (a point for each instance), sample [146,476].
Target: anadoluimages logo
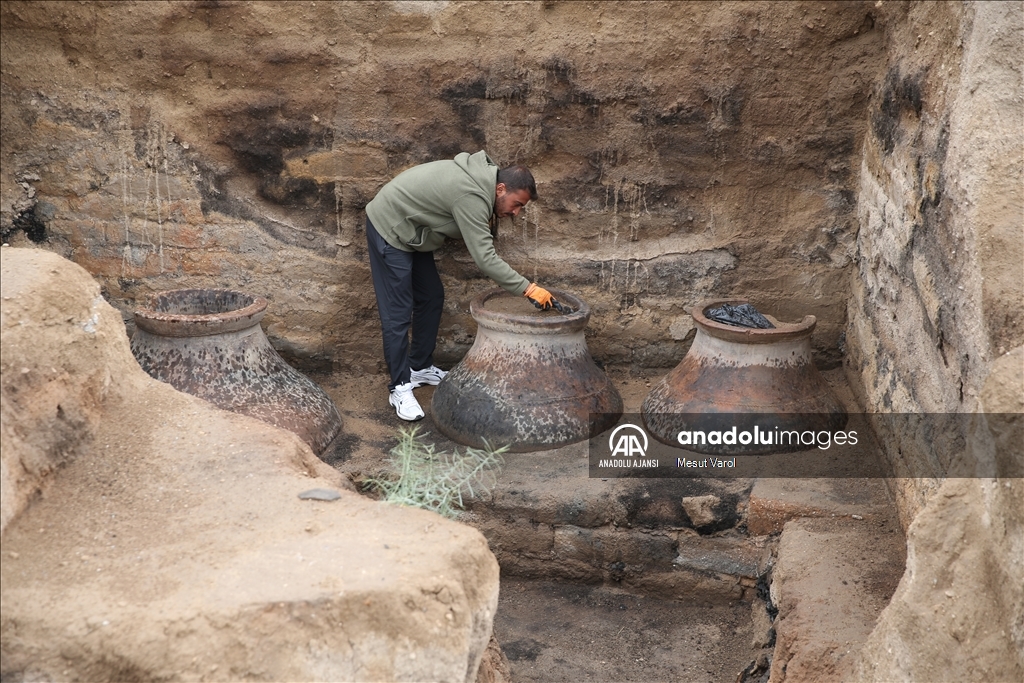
[628,445]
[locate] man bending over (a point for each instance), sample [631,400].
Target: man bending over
[410,217]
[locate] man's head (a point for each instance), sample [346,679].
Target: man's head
[514,189]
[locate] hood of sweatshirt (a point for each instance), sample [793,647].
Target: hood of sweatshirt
[481,169]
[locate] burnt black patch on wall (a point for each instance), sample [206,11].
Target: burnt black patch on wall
[563,91]
[681,113]
[438,143]
[565,103]
[901,95]
[465,99]
[30,222]
[262,136]
[215,197]
[467,96]
[473,89]
[934,244]
[563,87]
[294,192]
[931,178]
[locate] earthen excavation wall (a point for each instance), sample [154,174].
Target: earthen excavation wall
[936,327]
[683,150]
[935,310]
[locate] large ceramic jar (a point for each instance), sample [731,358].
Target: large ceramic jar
[528,381]
[209,343]
[743,377]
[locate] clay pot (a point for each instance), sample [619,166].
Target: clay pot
[742,377]
[209,343]
[528,381]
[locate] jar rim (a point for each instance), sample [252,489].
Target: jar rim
[749,335]
[241,310]
[552,322]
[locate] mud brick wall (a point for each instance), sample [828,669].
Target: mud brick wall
[936,327]
[683,151]
[935,308]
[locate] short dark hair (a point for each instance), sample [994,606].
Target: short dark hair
[516,178]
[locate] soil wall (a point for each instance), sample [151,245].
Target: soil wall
[935,301]
[936,327]
[682,150]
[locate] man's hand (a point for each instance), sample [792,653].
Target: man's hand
[541,298]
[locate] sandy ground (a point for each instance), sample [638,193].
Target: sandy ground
[561,632]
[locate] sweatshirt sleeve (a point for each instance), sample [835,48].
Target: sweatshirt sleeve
[471,213]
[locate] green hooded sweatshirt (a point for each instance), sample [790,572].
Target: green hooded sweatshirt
[423,205]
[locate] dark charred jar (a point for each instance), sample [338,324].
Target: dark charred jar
[209,343]
[528,381]
[734,379]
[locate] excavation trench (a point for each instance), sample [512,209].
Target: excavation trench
[621,579]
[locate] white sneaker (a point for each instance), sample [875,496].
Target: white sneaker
[406,405]
[432,375]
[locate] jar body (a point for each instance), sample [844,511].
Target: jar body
[528,381]
[743,378]
[209,343]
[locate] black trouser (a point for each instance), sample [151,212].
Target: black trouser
[409,292]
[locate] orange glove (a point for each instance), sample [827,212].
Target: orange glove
[540,297]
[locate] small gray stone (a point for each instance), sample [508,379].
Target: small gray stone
[320,494]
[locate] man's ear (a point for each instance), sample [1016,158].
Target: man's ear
[499,190]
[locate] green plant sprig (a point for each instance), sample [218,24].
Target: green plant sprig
[436,480]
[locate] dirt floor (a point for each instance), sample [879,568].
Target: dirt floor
[561,632]
[370,427]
